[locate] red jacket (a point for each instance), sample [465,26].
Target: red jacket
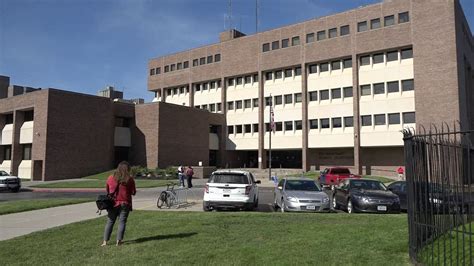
[125,192]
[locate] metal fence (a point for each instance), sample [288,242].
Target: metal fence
[440,192]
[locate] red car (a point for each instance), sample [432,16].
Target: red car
[334,175]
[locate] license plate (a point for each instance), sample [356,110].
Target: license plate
[381,208]
[310,207]
[226,190]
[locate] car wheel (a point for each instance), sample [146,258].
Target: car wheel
[15,190]
[282,209]
[349,206]
[334,203]
[275,204]
[205,207]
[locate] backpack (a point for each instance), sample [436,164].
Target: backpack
[107,201]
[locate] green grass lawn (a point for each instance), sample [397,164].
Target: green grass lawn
[36,204]
[222,238]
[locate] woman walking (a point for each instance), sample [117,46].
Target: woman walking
[122,186]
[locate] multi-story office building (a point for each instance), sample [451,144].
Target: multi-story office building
[342,86]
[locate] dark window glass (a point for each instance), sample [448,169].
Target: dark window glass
[239,80]
[288,73]
[195,62]
[268,76]
[347,92]
[158,70]
[152,72]
[181,90]
[297,97]
[324,95]
[268,101]
[217,57]
[366,120]
[230,129]
[202,61]
[230,105]
[213,85]
[365,90]
[288,98]
[7,152]
[403,17]
[278,126]
[186,64]
[345,30]
[172,68]
[238,129]
[313,69]
[379,119]
[28,116]
[377,58]
[309,37]
[313,124]
[204,86]
[297,71]
[407,53]
[335,65]
[336,122]
[325,123]
[212,107]
[295,41]
[248,79]
[288,125]
[392,86]
[247,103]
[409,118]
[347,63]
[275,45]
[278,74]
[365,60]
[255,102]
[219,107]
[278,100]
[313,96]
[389,20]
[169,92]
[323,67]
[167,69]
[175,91]
[348,121]
[392,56]
[210,59]
[26,152]
[379,88]
[321,35]
[266,47]
[298,125]
[179,66]
[230,82]
[247,128]
[238,105]
[362,26]
[333,33]
[394,119]
[285,43]
[407,85]
[255,128]
[255,78]
[336,93]
[375,24]
[267,127]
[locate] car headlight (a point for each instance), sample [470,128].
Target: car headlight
[436,201]
[291,199]
[396,199]
[325,200]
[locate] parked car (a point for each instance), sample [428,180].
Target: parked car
[400,188]
[300,194]
[231,189]
[334,175]
[365,195]
[7,181]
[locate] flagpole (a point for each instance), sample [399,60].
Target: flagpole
[270,141]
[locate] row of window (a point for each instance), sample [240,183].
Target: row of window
[27,116]
[279,74]
[386,57]
[183,65]
[242,80]
[177,91]
[330,66]
[212,107]
[387,87]
[26,154]
[207,85]
[391,119]
[333,32]
[376,23]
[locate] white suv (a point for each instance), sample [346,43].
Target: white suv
[231,189]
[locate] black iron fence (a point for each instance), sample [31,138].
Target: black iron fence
[440,186]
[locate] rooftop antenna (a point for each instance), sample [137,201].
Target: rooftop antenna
[230,14]
[256,16]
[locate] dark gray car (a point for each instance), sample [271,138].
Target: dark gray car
[300,194]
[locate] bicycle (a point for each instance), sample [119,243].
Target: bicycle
[167,197]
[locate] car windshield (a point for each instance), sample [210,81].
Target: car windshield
[340,171]
[3,173]
[367,185]
[229,178]
[303,185]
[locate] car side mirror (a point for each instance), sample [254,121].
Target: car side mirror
[391,189]
[258,182]
[280,187]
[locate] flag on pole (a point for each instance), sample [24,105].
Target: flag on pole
[272,119]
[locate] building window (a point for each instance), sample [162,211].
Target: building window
[288,73]
[379,120]
[152,72]
[278,74]
[298,125]
[255,78]
[266,47]
[336,93]
[247,128]
[217,57]
[345,30]
[348,121]
[375,24]
[278,126]
[230,82]
[362,26]
[185,64]
[403,17]
[285,43]
[210,59]
[324,67]
[158,70]
[255,128]
[213,84]
[324,95]
[202,61]
[336,122]
[167,69]
[275,45]
[366,120]
[289,126]
[172,67]
[268,101]
[313,96]
[239,80]
[230,106]
[407,85]
[230,130]
[389,20]
[313,124]
[365,60]
[181,90]
[407,53]
[7,152]
[347,92]
[195,63]
[409,118]
[278,100]
[175,91]
[394,119]
[212,107]
[9,119]
[295,41]
[255,102]
[392,86]
[379,88]
[332,33]
[325,123]
[377,58]
[365,90]
[268,76]
[204,107]
[297,71]
[238,105]
[347,63]
[313,69]
[219,107]
[392,56]
[309,37]
[297,97]
[238,129]
[335,65]
[288,98]
[248,79]
[321,35]
[179,66]
[204,86]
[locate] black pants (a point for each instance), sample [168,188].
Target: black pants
[189,178]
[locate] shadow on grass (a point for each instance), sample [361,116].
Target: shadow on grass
[159,237]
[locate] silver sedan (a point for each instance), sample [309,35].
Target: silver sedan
[300,194]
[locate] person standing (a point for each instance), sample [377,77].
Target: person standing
[123,201]
[189,176]
[181,176]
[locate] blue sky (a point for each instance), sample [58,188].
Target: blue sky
[84,45]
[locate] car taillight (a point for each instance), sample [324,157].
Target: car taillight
[247,190]
[206,189]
